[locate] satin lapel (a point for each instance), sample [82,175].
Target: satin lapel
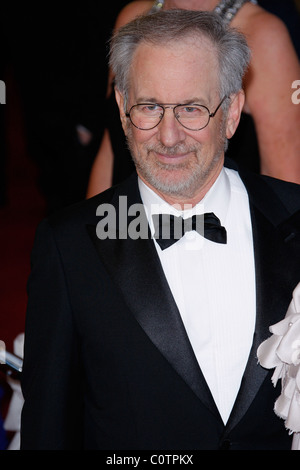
[277,273]
[135,268]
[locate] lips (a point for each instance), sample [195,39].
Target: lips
[170,158]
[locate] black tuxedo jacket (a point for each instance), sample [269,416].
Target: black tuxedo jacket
[108,364]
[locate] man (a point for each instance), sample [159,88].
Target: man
[133,342]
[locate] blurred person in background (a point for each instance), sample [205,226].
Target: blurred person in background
[267,140]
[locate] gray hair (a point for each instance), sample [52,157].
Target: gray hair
[170,26]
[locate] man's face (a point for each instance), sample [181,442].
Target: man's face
[176,162]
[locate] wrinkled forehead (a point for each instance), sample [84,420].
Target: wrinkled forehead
[183,67]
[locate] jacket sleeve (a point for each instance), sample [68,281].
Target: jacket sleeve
[51,376]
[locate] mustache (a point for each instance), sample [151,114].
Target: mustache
[178,149]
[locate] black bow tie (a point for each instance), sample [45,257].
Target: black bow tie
[169,228]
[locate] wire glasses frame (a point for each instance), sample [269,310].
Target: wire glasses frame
[142,115]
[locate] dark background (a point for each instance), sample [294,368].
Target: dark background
[53,60]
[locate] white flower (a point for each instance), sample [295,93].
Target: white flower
[296,353]
[282,352]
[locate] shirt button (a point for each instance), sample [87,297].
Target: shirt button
[225,445]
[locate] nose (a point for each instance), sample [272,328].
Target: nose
[170,131]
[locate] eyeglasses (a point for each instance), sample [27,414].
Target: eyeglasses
[146,116]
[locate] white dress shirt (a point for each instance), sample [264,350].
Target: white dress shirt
[214,284]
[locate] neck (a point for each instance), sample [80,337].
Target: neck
[206,5]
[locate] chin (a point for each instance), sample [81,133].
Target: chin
[177,183]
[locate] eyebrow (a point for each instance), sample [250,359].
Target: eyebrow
[154,100]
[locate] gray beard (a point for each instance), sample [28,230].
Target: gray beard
[186,187]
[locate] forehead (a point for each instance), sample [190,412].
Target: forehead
[175,71]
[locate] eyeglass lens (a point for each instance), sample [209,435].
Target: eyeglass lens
[147,116]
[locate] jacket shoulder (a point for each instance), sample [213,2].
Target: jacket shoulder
[83,212]
[288,193]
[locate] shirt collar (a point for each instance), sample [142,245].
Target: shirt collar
[216,200]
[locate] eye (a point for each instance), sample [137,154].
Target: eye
[192,111]
[189,109]
[149,108]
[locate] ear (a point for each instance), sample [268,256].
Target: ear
[234,113]
[121,101]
